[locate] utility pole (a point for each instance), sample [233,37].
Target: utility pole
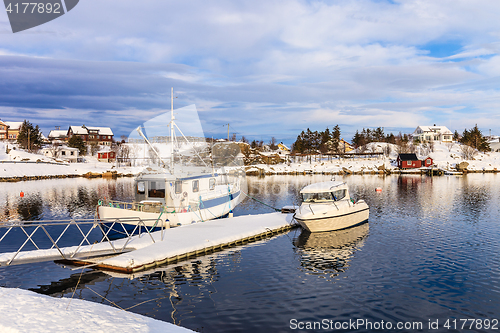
[29,134]
[228,132]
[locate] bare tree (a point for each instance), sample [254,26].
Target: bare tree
[450,145]
[431,146]
[468,152]
[387,150]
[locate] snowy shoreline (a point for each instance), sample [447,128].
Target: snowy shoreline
[27,311]
[22,166]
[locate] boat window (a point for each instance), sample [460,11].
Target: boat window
[156,189]
[211,184]
[196,185]
[316,197]
[339,194]
[178,186]
[140,188]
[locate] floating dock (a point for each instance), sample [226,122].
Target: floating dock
[150,250]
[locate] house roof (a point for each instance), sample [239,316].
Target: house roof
[13,124]
[408,157]
[54,134]
[102,130]
[434,129]
[82,130]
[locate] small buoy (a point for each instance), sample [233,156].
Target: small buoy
[21,194]
[378,189]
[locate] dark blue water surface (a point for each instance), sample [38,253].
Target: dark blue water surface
[428,255]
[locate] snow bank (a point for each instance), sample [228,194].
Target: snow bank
[26,311]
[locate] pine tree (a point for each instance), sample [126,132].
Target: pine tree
[335,139]
[29,137]
[77,142]
[475,139]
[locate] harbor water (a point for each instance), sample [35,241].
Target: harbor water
[427,260]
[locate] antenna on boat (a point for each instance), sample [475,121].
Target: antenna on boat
[172,133]
[138,129]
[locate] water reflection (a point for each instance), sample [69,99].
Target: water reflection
[68,285]
[59,198]
[329,252]
[30,208]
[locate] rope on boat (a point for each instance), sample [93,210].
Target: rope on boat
[248,195]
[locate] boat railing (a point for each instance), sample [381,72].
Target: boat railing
[151,206]
[75,239]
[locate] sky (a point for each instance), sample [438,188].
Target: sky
[266,68]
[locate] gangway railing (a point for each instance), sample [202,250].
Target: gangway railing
[75,239]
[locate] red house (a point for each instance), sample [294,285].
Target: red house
[410,161]
[106,156]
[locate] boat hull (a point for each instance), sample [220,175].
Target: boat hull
[345,219]
[129,218]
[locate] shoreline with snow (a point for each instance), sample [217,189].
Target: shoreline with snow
[27,311]
[18,165]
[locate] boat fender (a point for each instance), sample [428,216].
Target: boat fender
[353,201]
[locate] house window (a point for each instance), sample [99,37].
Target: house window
[196,185]
[436,137]
[63,153]
[72,153]
[427,138]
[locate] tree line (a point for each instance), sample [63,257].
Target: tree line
[330,142]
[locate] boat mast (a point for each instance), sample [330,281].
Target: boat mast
[172,129]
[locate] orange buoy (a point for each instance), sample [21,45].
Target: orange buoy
[378,189]
[21,194]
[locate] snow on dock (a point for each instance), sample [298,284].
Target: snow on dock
[189,240]
[147,250]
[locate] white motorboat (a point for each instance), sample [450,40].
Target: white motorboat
[328,206]
[169,195]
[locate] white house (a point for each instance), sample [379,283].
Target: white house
[433,133]
[61,152]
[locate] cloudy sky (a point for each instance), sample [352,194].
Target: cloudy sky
[266,67]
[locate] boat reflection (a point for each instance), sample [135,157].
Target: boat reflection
[329,252]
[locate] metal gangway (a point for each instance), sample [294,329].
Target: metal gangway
[86,240]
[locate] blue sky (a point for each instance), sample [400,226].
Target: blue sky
[268,68]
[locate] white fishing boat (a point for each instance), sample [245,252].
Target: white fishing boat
[327,206]
[174,194]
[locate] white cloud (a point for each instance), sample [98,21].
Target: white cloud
[354,62]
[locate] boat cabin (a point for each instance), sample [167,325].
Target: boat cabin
[181,192]
[324,192]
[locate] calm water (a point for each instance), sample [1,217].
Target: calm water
[429,252]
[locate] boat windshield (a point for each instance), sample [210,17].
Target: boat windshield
[317,197]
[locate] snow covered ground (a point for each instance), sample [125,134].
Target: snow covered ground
[18,163]
[26,311]
[445,156]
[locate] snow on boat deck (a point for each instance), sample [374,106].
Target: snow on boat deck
[183,242]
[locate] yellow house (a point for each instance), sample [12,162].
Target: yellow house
[4,130]
[345,146]
[13,130]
